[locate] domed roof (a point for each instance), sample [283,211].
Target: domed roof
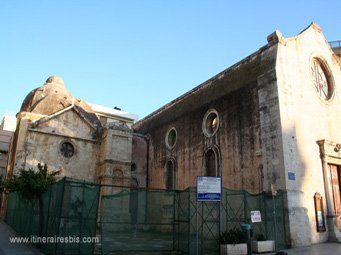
[49,98]
[53,97]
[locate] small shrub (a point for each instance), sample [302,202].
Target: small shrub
[233,236]
[31,183]
[261,237]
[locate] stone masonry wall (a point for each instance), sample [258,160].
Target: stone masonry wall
[238,139]
[67,127]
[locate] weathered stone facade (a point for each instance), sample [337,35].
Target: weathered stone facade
[308,113]
[83,141]
[259,124]
[238,133]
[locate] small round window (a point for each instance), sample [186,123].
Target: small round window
[210,123]
[67,149]
[171,138]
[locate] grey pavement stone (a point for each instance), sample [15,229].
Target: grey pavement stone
[317,249]
[8,248]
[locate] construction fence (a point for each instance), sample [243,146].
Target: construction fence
[141,221]
[62,222]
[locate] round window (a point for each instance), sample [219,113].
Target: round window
[210,123]
[322,80]
[171,138]
[67,149]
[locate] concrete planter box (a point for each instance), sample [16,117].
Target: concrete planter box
[263,246]
[233,249]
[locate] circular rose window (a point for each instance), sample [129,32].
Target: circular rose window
[321,80]
[67,149]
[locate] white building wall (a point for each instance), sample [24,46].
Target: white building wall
[305,119]
[8,123]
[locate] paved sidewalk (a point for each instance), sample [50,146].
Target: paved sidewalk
[7,248]
[317,249]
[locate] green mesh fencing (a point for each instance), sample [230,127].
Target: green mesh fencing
[22,216]
[191,216]
[236,208]
[68,217]
[163,221]
[140,221]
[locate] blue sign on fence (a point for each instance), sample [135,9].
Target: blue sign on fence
[208,188]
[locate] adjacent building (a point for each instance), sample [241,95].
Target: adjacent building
[7,127]
[81,140]
[8,123]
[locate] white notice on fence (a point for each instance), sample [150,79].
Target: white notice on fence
[256,216]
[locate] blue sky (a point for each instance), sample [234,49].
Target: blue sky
[139,54]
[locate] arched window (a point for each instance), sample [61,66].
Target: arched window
[118,178]
[170,174]
[211,168]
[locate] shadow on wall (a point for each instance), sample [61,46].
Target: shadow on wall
[303,179]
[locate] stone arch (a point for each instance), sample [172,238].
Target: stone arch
[170,174]
[117,178]
[211,162]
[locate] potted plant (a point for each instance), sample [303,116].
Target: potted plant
[262,245]
[233,242]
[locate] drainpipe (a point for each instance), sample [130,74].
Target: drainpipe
[147,161]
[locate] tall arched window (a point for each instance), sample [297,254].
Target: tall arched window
[170,174]
[211,168]
[134,200]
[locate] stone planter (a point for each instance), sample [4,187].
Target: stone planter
[233,249]
[263,246]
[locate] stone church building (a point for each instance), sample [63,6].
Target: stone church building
[271,121]
[83,141]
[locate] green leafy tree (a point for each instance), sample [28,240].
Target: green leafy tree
[32,184]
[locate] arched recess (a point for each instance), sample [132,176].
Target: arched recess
[170,174]
[212,161]
[118,178]
[134,183]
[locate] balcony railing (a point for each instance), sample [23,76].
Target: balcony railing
[335,44]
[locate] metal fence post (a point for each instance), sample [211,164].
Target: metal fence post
[275,221]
